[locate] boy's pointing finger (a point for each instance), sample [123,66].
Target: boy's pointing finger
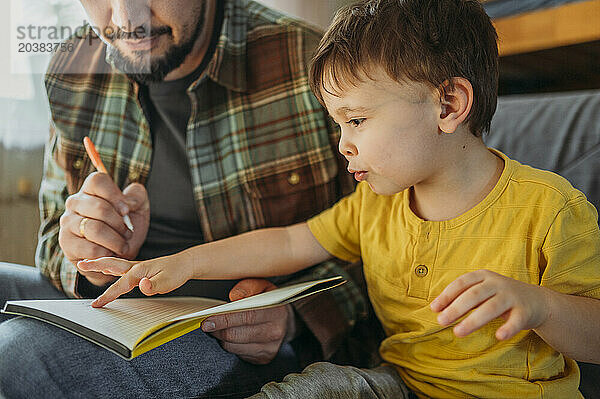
[122,286]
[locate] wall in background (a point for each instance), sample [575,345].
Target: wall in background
[318,12]
[20,175]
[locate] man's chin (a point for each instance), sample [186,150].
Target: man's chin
[148,66]
[141,65]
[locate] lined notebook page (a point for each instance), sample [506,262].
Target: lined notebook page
[123,320]
[278,296]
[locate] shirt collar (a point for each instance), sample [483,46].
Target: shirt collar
[228,64]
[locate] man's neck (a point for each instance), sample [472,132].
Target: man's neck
[195,57]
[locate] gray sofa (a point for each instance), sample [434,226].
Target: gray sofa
[558,132]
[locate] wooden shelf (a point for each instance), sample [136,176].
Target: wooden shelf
[565,25]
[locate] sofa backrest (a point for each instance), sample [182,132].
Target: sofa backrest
[558,132]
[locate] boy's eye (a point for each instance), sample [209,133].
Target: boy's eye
[356,121]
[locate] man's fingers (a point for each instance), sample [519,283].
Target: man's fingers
[101,185]
[257,334]
[454,289]
[136,197]
[112,266]
[98,232]
[250,287]
[93,207]
[79,248]
[245,319]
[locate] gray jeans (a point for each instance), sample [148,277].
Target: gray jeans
[330,381]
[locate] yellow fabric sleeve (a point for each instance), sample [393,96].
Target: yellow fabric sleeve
[337,228]
[572,251]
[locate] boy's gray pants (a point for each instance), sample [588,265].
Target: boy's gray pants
[327,380]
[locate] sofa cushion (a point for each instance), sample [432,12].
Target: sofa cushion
[558,132]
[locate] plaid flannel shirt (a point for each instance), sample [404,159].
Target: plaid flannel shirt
[261,149]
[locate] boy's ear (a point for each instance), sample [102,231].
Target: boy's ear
[456,103]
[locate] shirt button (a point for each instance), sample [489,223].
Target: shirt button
[134,175]
[421,271]
[294,179]
[78,164]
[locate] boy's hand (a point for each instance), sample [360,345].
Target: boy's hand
[491,295]
[156,276]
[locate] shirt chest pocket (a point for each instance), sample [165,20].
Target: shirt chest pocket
[291,192]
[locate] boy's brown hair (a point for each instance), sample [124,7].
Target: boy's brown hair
[426,41]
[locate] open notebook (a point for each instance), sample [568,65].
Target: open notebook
[132,326]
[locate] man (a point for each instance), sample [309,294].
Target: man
[202,113]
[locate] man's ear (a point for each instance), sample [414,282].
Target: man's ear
[456,102]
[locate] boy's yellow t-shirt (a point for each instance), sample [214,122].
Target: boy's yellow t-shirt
[533,226]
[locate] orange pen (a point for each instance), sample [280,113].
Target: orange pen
[97,162]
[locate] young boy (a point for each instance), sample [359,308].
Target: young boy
[484,272]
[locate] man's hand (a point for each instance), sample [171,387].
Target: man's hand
[256,335]
[491,295]
[105,233]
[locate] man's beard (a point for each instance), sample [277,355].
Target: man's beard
[143,68]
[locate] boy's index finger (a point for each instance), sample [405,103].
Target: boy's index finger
[120,287]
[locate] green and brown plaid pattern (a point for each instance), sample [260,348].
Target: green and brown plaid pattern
[262,151]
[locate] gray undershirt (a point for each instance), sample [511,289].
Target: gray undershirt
[174,221]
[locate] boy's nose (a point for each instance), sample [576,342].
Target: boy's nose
[346,148]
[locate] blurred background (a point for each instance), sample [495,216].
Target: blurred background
[545,46]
